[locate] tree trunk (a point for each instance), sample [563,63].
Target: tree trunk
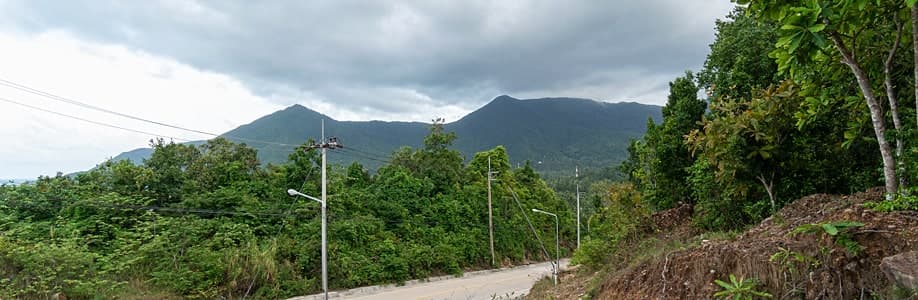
[769,188]
[894,103]
[876,115]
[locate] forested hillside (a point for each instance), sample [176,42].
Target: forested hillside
[211,221]
[802,98]
[553,133]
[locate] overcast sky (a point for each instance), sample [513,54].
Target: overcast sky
[215,65]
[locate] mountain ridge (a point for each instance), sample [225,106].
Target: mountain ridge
[553,132]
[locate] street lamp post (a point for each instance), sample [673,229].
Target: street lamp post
[557,264]
[293,192]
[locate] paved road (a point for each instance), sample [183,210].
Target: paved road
[507,284]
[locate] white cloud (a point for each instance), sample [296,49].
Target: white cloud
[111,77]
[216,65]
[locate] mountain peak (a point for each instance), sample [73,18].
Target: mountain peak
[594,133]
[504,98]
[303,112]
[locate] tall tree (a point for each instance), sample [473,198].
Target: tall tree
[438,161]
[750,139]
[738,63]
[812,29]
[668,155]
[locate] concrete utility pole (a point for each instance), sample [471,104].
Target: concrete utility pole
[490,222]
[332,142]
[577,179]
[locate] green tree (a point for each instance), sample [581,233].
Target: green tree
[854,31]
[668,156]
[738,62]
[437,160]
[751,138]
[168,162]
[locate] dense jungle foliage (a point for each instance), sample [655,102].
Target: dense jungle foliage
[798,100]
[209,221]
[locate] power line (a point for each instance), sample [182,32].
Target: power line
[354,153]
[531,227]
[357,156]
[369,153]
[91,121]
[38,92]
[190,210]
[185,210]
[84,105]
[266,148]
[364,156]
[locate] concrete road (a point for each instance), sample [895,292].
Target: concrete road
[504,284]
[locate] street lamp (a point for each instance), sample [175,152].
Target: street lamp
[557,263]
[293,192]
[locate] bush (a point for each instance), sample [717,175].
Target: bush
[619,218]
[41,269]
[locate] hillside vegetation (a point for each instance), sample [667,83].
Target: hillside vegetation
[209,221]
[804,98]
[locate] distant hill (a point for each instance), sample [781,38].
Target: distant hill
[553,133]
[15,181]
[136,156]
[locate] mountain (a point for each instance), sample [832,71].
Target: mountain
[136,156]
[553,133]
[14,181]
[558,132]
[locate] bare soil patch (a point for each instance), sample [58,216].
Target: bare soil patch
[831,271]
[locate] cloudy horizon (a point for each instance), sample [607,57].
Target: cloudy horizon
[216,65]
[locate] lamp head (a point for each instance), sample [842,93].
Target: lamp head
[292,192]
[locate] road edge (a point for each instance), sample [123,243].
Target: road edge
[382,287]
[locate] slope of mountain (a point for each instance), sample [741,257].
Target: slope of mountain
[558,132]
[553,133]
[136,156]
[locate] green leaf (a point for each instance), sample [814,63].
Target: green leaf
[722,284]
[820,40]
[761,294]
[817,28]
[910,3]
[796,40]
[830,229]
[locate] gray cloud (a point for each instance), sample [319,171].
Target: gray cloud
[379,57]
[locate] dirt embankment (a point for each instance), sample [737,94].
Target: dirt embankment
[826,270]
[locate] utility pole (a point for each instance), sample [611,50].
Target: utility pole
[577,179]
[490,223]
[557,263]
[332,142]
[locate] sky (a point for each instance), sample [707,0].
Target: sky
[216,65]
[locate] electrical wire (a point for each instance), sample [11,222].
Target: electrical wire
[531,227]
[359,155]
[267,148]
[351,148]
[38,92]
[182,210]
[91,121]
[191,210]
[350,151]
